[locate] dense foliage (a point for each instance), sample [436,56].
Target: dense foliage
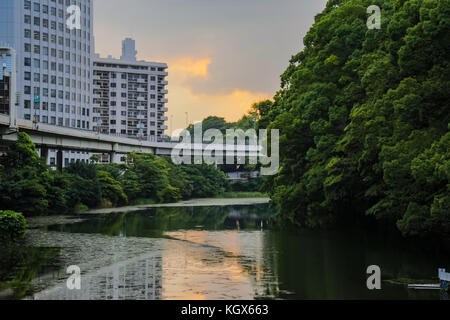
[248,121]
[12,225]
[364,118]
[28,185]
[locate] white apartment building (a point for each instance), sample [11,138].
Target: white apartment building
[54,63]
[129,96]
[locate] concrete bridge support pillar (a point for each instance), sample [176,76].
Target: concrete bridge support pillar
[59,160]
[113,156]
[44,154]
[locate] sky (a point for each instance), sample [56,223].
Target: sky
[223,55]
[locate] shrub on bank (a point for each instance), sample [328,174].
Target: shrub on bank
[12,225]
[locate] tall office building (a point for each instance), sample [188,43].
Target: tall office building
[129,96]
[6,61]
[54,63]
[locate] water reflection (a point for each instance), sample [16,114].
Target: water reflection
[154,223]
[205,257]
[20,265]
[138,278]
[230,253]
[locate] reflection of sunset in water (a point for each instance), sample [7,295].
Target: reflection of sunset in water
[209,260]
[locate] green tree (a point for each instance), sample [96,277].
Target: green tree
[364,119]
[22,185]
[83,184]
[111,189]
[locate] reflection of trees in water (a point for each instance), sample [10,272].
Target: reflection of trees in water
[250,217]
[332,264]
[19,265]
[192,217]
[154,222]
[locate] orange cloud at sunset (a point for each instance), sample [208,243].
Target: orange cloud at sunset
[182,98]
[188,67]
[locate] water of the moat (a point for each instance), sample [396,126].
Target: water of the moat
[229,252]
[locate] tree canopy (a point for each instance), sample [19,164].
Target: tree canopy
[364,118]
